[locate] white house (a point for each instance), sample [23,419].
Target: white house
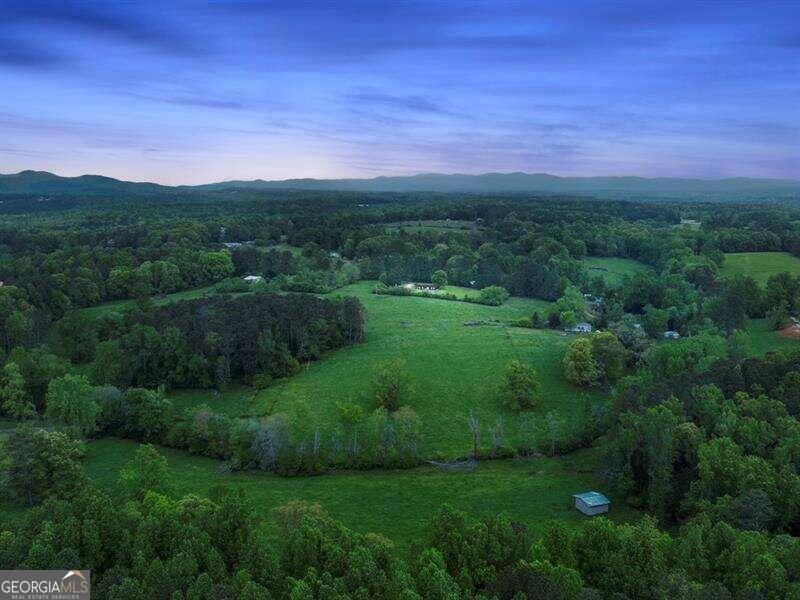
[580,328]
[253,278]
[671,335]
[591,503]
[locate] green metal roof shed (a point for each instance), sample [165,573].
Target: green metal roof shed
[591,503]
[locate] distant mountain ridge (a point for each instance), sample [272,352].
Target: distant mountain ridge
[517,182]
[42,182]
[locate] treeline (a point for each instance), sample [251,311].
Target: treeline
[211,341]
[52,263]
[145,542]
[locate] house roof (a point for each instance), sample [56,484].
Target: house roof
[593,498]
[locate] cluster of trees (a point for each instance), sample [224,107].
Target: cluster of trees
[72,262]
[146,542]
[599,359]
[210,341]
[700,431]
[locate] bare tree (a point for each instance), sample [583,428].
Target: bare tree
[498,436]
[554,425]
[269,442]
[475,429]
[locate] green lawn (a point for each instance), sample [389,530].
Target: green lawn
[456,354]
[760,265]
[397,504]
[613,270]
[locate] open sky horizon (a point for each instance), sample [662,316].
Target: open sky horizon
[191,92]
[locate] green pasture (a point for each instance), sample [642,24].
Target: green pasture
[613,270]
[759,265]
[397,503]
[455,353]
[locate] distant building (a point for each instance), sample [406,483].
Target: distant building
[580,328]
[237,244]
[591,503]
[426,287]
[671,335]
[253,278]
[333,254]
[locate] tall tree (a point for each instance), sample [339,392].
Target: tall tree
[13,396]
[520,388]
[70,404]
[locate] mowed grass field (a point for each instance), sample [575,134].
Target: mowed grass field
[455,354]
[397,503]
[613,270]
[760,265]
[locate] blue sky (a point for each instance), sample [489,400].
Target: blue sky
[192,92]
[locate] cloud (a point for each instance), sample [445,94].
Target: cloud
[202,99]
[404,86]
[122,23]
[410,103]
[14,53]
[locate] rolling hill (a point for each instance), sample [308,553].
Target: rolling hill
[41,182]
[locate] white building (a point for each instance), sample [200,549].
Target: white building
[253,278]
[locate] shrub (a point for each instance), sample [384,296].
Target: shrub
[494,295]
[520,388]
[391,384]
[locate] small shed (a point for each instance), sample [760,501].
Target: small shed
[671,335]
[591,503]
[581,328]
[253,278]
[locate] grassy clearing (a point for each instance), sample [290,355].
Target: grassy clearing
[456,355]
[285,247]
[760,265]
[433,225]
[397,504]
[234,401]
[761,339]
[613,270]
[460,292]
[119,306]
